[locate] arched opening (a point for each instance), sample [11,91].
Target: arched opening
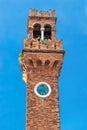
[47,31]
[47,62]
[36,30]
[55,64]
[31,63]
[39,63]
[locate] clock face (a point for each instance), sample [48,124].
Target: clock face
[42,89]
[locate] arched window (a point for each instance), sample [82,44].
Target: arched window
[55,64]
[47,62]
[31,63]
[36,30]
[47,31]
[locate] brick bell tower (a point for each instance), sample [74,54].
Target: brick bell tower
[41,62]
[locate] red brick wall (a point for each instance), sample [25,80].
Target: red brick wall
[42,65]
[42,113]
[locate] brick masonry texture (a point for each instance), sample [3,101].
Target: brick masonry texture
[42,65]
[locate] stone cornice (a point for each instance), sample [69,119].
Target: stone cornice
[42,51]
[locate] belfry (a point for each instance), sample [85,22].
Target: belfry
[41,62]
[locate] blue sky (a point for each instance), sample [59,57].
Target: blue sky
[72,28]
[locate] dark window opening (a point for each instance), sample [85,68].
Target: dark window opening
[36,31]
[47,32]
[47,62]
[55,64]
[31,63]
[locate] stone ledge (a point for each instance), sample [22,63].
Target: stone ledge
[42,51]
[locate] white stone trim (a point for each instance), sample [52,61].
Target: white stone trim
[43,96]
[42,33]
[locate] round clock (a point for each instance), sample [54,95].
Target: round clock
[42,89]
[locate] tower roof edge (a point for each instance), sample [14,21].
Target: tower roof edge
[50,13]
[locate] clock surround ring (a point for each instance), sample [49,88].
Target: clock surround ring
[46,86]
